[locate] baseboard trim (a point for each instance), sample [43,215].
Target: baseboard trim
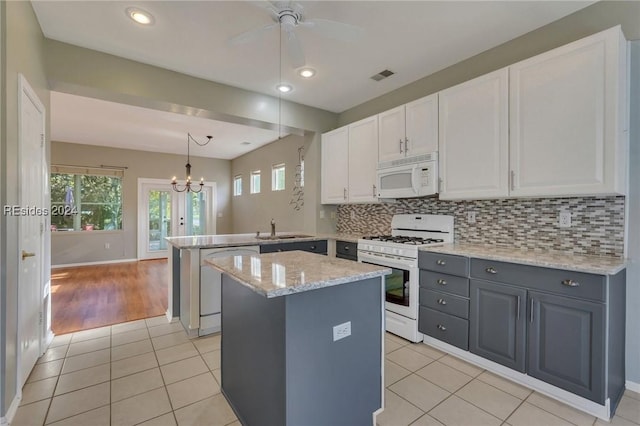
[102,262]
[632,386]
[575,401]
[11,412]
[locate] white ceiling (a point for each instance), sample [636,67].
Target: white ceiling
[412,38]
[90,121]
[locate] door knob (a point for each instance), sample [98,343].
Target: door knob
[26,254]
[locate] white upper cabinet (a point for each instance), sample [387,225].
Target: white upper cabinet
[422,126]
[567,120]
[473,138]
[363,160]
[409,130]
[391,134]
[335,166]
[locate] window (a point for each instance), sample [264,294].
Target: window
[255,182]
[237,185]
[277,177]
[87,201]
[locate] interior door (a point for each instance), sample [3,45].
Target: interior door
[31,229]
[167,213]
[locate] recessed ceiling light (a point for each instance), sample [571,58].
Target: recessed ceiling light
[307,72]
[284,88]
[140,16]
[245,143]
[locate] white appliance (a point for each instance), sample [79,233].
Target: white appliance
[211,286]
[408,177]
[399,251]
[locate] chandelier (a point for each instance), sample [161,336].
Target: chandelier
[187,186]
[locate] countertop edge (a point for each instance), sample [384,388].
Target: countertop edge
[467,252]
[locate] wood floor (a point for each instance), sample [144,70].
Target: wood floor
[94,296]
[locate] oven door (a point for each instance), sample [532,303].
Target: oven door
[401,286]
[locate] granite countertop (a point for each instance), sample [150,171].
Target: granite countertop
[549,259]
[279,274]
[237,240]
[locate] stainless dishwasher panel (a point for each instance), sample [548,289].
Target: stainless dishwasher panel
[211,279]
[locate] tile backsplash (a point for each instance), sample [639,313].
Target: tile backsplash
[597,226]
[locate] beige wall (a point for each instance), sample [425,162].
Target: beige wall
[597,17]
[79,247]
[23,53]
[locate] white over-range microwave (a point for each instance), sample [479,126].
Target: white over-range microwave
[408,177]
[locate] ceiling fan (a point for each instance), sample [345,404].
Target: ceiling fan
[289,16]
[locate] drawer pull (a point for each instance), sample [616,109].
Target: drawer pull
[442,282]
[441,327]
[571,283]
[440,262]
[442,302]
[346,248]
[491,270]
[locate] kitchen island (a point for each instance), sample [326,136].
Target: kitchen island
[303,338]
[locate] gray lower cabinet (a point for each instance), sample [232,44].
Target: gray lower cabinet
[346,250]
[566,344]
[497,323]
[317,246]
[563,327]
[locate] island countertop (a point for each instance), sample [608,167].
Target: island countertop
[283,273]
[549,259]
[238,240]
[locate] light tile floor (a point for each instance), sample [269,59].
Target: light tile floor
[148,372]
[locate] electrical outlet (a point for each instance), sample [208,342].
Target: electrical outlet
[321,213]
[564,219]
[107,246]
[341,331]
[333,215]
[353,215]
[471,217]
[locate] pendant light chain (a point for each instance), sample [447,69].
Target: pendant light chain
[280,82]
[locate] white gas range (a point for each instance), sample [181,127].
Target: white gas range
[399,251]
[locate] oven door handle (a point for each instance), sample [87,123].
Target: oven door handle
[386,262]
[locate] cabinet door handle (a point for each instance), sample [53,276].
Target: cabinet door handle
[344,193]
[517,307]
[346,248]
[512,177]
[491,270]
[571,283]
[531,311]
[440,185]
[442,302]
[442,282]
[401,151]
[406,144]
[440,262]
[441,327]
[374,190]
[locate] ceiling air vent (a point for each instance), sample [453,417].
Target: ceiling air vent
[382,75]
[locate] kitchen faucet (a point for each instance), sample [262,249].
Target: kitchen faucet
[273,227]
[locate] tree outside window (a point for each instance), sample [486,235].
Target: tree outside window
[88,202]
[277,177]
[255,182]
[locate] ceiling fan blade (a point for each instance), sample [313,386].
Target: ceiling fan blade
[334,29]
[251,35]
[265,4]
[294,48]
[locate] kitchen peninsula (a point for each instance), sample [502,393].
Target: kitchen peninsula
[302,338]
[194,290]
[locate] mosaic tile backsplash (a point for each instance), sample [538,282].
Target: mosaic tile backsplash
[597,226]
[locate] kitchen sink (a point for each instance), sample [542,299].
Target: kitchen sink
[283,237]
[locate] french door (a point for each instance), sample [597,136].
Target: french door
[166,213]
